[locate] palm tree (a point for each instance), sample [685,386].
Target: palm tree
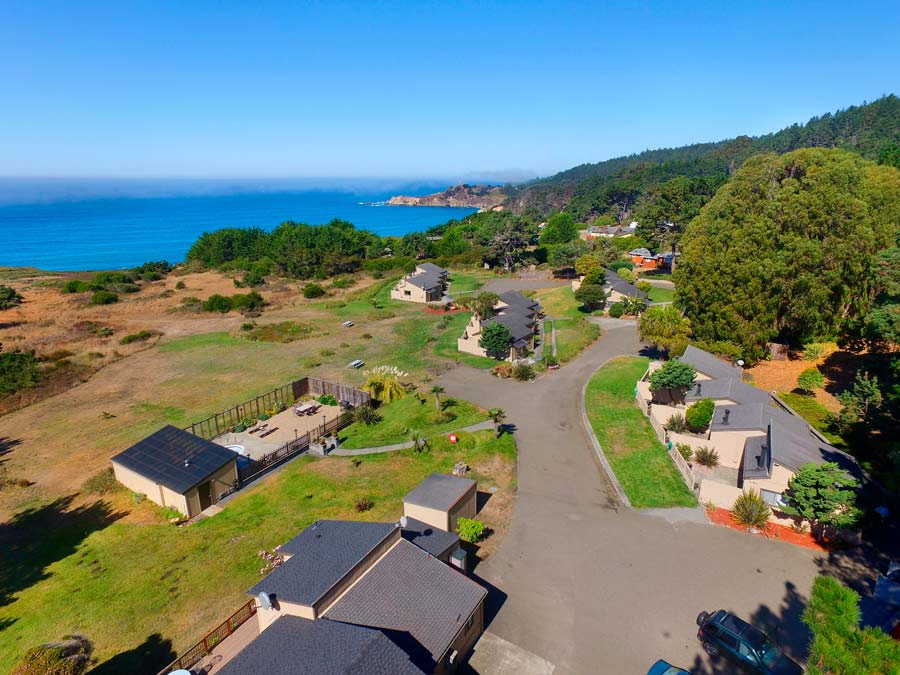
[497,415]
[437,390]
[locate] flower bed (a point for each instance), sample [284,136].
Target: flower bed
[721,516]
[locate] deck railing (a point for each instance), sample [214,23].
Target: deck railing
[211,639]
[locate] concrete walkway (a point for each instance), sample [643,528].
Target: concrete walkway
[591,587]
[344,452]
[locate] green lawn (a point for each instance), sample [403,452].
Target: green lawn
[815,413]
[445,347]
[465,283]
[638,459]
[559,302]
[657,294]
[408,413]
[145,591]
[572,337]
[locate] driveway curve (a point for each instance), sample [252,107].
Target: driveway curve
[593,588]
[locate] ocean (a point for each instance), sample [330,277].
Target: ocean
[66,227]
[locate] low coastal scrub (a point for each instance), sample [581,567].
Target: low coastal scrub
[242,302]
[18,370]
[286,331]
[140,336]
[9,297]
[104,298]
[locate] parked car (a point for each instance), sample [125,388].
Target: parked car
[724,633]
[665,668]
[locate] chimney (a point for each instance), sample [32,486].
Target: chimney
[725,415]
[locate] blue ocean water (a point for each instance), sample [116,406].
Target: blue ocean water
[63,230]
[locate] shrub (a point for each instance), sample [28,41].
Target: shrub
[104,298]
[101,483]
[151,276]
[18,370]
[749,509]
[523,372]
[645,286]
[343,282]
[326,352]
[813,351]
[9,297]
[676,423]
[706,456]
[626,274]
[363,504]
[313,290]
[139,336]
[810,379]
[503,370]
[592,296]
[328,399]
[685,451]
[470,529]
[724,348]
[617,310]
[247,301]
[550,360]
[616,265]
[366,336]
[263,417]
[366,414]
[595,277]
[76,286]
[180,286]
[385,383]
[699,415]
[216,303]
[672,375]
[71,656]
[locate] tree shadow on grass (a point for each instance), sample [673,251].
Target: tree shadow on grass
[154,653]
[6,622]
[36,538]
[7,444]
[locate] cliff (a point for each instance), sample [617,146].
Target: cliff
[476,196]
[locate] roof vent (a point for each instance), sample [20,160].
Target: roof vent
[725,416]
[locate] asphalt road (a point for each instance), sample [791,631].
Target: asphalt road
[593,588]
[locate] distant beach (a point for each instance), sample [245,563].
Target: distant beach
[64,229]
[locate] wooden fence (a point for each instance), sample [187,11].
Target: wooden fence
[211,639]
[683,468]
[290,449]
[221,422]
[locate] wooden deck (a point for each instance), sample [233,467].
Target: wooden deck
[223,652]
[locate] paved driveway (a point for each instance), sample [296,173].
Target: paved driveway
[596,589]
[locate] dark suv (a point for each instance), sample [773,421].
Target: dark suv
[723,633]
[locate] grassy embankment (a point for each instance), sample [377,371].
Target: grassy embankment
[144,592]
[639,460]
[573,332]
[409,414]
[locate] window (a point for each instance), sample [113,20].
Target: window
[772,498]
[407,293]
[728,640]
[747,653]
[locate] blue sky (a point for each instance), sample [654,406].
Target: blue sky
[415,89]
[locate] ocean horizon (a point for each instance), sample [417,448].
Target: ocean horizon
[64,226]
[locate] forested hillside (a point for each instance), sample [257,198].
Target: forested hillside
[640,186]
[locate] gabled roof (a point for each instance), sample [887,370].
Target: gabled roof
[433,269]
[601,229]
[516,299]
[792,450]
[519,326]
[424,280]
[755,416]
[322,555]
[709,365]
[303,647]
[439,491]
[643,252]
[175,458]
[729,388]
[619,285]
[413,592]
[430,539]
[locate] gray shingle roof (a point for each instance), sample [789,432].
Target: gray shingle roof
[161,458]
[729,388]
[519,326]
[794,450]
[302,647]
[425,281]
[439,491]
[411,591]
[709,365]
[433,269]
[643,252]
[321,556]
[516,299]
[756,416]
[430,539]
[757,461]
[619,285]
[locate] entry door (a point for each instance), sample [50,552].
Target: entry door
[204,490]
